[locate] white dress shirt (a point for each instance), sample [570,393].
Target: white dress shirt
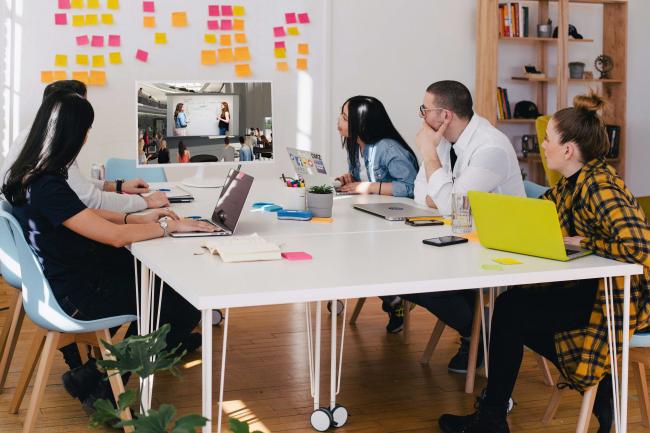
[486,162]
[90,191]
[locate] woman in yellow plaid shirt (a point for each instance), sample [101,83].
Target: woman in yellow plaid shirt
[565,322]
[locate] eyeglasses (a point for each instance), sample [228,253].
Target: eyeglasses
[423,110]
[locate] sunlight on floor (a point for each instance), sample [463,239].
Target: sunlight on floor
[237,409]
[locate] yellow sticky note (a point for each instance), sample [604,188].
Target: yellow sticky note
[113,4]
[488,267]
[238,11]
[149,21]
[115,58]
[107,19]
[160,38]
[61,60]
[80,76]
[47,77]
[322,220]
[92,20]
[210,38]
[179,19]
[77,4]
[226,55]
[225,40]
[243,70]
[301,64]
[97,78]
[82,59]
[280,53]
[93,4]
[98,61]
[282,66]
[240,38]
[303,49]
[242,54]
[507,261]
[78,20]
[238,25]
[293,31]
[208,57]
[60,75]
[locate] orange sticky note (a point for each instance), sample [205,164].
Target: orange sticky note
[301,64]
[47,77]
[240,38]
[238,11]
[98,61]
[303,49]
[322,220]
[115,58]
[243,70]
[280,53]
[179,19]
[242,54]
[282,66]
[77,4]
[225,40]
[82,59]
[78,20]
[92,20]
[113,4]
[107,19]
[210,38]
[93,4]
[81,76]
[238,25]
[97,78]
[60,75]
[160,38]
[61,60]
[226,55]
[208,57]
[149,21]
[293,31]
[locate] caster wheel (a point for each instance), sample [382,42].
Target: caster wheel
[339,307]
[321,419]
[339,416]
[217,317]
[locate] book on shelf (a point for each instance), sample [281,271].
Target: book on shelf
[503,104]
[513,20]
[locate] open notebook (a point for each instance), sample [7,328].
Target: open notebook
[243,248]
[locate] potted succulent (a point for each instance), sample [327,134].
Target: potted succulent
[320,200]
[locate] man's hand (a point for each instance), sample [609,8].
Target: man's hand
[152,216]
[431,203]
[428,139]
[135,186]
[573,241]
[156,200]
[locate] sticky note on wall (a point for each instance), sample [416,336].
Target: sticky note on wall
[148,6]
[226,55]
[293,31]
[47,77]
[97,78]
[243,70]
[290,18]
[226,24]
[213,25]
[278,32]
[61,60]
[77,4]
[107,19]
[82,59]
[92,20]
[213,10]
[179,19]
[226,10]
[98,61]
[240,38]
[78,20]
[80,76]
[160,38]
[238,25]
[301,64]
[238,11]
[280,53]
[282,66]
[97,41]
[60,19]
[114,40]
[209,38]
[242,54]
[93,4]
[113,4]
[303,49]
[82,40]
[115,58]
[64,4]
[60,75]
[208,57]
[142,55]
[149,22]
[225,40]
[280,44]
[303,18]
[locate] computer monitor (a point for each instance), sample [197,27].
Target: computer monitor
[203,122]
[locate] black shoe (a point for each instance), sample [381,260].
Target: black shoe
[486,419]
[191,343]
[459,362]
[389,303]
[102,391]
[604,405]
[81,381]
[395,321]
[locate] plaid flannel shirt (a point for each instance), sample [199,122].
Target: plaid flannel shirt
[614,226]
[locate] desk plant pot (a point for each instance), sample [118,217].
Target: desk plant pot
[320,200]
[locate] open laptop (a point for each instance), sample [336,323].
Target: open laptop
[229,206]
[520,225]
[309,167]
[395,211]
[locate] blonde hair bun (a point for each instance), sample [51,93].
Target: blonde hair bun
[591,102]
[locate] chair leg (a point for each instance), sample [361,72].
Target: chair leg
[553,404]
[546,371]
[642,392]
[44,366]
[83,352]
[11,331]
[585,409]
[357,310]
[406,305]
[28,369]
[433,342]
[473,346]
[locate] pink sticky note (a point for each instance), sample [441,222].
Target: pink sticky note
[226,11]
[213,10]
[296,255]
[226,24]
[213,25]
[142,55]
[291,18]
[60,19]
[64,4]
[148,6]
[114,40]
[82,40]
[303,18]
[279,32]
[280,44]
[97,41]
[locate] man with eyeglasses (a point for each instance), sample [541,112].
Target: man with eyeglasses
[461,152]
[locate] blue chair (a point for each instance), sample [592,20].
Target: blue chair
[534,190]
[43,309]
[117,168]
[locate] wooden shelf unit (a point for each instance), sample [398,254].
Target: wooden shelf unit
[615,21]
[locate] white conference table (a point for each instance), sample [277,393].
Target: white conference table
[370,256]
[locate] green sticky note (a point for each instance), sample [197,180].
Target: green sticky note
[507,261]
[492,268]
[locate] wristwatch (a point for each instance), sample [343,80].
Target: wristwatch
[163,225]
[118,185]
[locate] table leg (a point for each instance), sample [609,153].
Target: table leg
[626,352]
[223,366]
[206,368]
[144,314]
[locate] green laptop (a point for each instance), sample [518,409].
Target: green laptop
[520,225]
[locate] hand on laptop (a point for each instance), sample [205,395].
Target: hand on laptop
[152,216]
[188,226]
[358,187]
[573,241]
[156,200]
[345,178]
[135,186]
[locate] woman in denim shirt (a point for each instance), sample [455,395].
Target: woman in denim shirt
[390,164]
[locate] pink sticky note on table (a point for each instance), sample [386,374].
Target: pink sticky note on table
[97,41]
[226,10]
[296,255]
[213,10]
[226,24]
[290,18]
[148,6]
[82,40]
[142,55]
[280,44]
[61,19]
[278,32]
[114,40]
[303,18]
[213,25]
[64,4]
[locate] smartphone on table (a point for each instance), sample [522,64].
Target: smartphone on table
[443,241]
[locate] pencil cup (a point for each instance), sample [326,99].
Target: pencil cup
[461,214]
[294,198]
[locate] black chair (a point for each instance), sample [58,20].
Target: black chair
[204,158]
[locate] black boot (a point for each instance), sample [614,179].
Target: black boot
[81,381]
[486,419]
[604,405]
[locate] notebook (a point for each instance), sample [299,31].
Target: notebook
[251,248]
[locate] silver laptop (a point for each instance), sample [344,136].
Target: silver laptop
[229,206]
[395,211]
[310,167]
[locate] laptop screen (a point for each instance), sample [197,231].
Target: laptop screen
[232,199]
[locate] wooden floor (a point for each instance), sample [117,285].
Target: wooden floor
[384,387]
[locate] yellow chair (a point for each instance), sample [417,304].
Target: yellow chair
[552,176]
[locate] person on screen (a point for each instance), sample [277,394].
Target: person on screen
[246,151]
[180,120]
[224,119]
[163,152]
[183,153]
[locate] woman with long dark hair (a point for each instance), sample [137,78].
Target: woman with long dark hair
[367,133]
[180,120]
[224,119]
[183,153]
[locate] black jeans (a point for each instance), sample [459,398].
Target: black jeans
[531,316]
[456,308]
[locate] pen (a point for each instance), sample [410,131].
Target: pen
[193,217]
[164,190]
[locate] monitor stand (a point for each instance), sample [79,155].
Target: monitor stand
[199,180]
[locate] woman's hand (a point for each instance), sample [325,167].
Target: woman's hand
[358,187]
[573,241]
[345,178]
[190,225]
[136,186]
[152,216]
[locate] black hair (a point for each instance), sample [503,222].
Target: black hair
[68,86]
[226,140]
[241,139]
[369,121]
[54,141]
[181,149]
[453,96]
